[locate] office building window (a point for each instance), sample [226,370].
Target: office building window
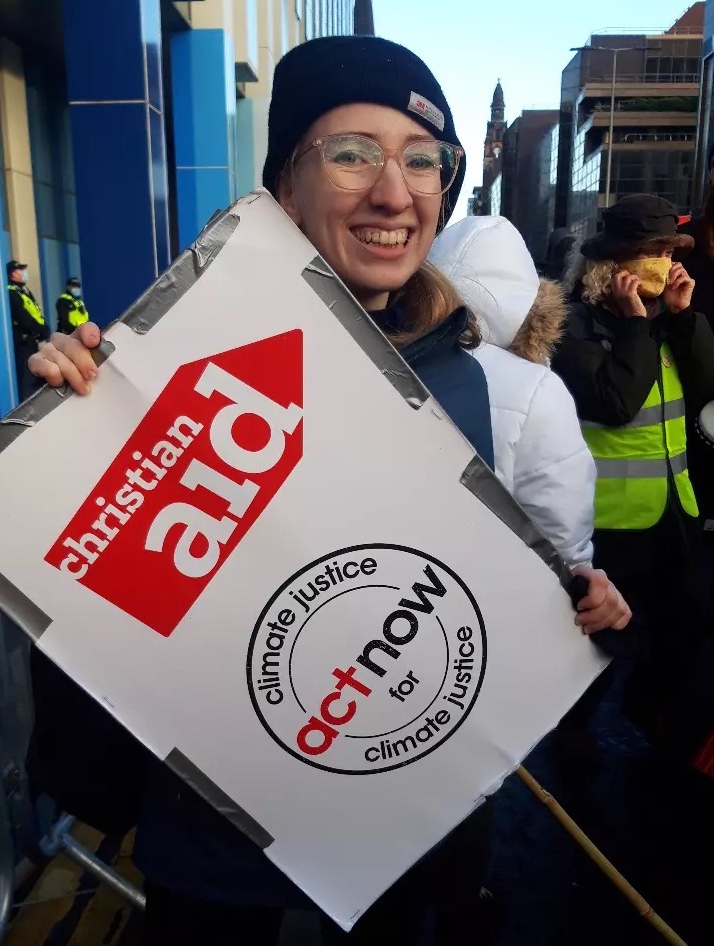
[496,196]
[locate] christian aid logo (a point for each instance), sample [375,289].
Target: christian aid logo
[192,479]
[367,659]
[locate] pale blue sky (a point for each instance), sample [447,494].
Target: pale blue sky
[470,44]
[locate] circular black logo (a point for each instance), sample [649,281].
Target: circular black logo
[367,659]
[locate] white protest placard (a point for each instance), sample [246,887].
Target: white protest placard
[279,565]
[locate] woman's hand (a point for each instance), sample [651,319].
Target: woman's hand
[68,358]
[680,286]
[603,606]
[623,290]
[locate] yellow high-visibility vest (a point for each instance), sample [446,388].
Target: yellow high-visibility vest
[77,314]
[31,307]
[635,462]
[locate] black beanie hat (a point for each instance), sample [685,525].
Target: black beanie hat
[322,74]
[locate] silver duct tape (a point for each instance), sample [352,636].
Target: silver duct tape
[371,340]
[25,613]
[148,309]
[217,798]
[480,480]
[159,298]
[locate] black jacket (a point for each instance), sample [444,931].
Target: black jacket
[610,364]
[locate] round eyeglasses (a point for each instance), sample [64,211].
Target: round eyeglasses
[355,163]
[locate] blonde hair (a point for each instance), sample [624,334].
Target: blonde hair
[593,277]
[430,298]
[597,278]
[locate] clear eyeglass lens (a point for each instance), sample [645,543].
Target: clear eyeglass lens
[355,163]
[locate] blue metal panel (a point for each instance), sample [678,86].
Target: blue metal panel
[114,205]
[72,261]
[203,83]
[245,161]
[8,381]
[201,192]
[198,69]
[151,31]
[104,43]
[119,149]
[159,184]
[54,275]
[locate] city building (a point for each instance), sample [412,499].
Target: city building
[628,120]
[126,124]
[474,205]
[521,174]
[705,128]
[520,163]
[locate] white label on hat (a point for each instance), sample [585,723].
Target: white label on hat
[422,106]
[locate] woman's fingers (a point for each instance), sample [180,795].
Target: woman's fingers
[66,358]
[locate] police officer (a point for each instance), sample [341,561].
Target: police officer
[28,326]
[71,310]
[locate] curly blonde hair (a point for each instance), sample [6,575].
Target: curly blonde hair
[597,278]
[593,275]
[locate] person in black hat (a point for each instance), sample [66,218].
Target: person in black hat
[71,310]
[28,326]
[639,361]
[364,158]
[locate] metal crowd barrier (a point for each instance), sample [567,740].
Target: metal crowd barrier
[60,841]
[18,831]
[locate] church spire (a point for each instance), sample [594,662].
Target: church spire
[498,104]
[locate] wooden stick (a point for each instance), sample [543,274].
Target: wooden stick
[606,866]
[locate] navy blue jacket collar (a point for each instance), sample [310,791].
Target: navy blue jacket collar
[443,336]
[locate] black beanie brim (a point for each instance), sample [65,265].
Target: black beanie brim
[323,74]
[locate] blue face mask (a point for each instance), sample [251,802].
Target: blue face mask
[24,276]
[77,293]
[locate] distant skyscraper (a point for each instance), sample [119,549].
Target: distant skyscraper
[364,18]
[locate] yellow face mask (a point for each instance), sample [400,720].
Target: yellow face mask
[652,272]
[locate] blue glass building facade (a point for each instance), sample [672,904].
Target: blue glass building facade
[126,125]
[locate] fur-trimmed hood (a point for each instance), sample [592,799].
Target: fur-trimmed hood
[543,325]
[489,264]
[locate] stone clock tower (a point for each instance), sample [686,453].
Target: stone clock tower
[493,146]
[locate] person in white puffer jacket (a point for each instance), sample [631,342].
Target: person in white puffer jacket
[540,455]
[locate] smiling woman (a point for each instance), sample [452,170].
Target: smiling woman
[363,156]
